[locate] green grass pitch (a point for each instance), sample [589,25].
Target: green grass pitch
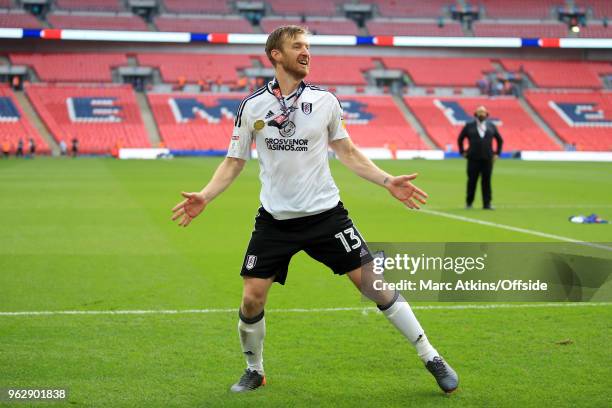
[95,234]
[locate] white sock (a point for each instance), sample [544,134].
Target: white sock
[252,332]
[400,315]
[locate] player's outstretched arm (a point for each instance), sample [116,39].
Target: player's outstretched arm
[195,202]
[399,187]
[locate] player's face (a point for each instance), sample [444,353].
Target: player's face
[296,56]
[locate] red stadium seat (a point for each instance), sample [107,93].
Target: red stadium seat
[197,6]
[372,121]
[536,30]
[519,131]
[99,5]
[196,24]
[595,31]
[601,8]
[71,67]
[333,26]
[308,8]
[332,70]
[399,8]
[97,22]
[555,74]
[195,134]
[13,130]
[539,9]
[589,136]
[391,27]
[18,19]
[194,67]
[436,71]
[387,127]
[95,136]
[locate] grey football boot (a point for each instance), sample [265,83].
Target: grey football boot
[249,381]
[444,374]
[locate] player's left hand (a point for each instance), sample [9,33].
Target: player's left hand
[401,188]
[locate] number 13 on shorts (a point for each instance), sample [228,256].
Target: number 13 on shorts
[345,236]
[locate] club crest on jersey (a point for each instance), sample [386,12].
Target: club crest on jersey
[250,262]
[306,108]
[288,129]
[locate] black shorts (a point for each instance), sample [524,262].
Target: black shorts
[329,237]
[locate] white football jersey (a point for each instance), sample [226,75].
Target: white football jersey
[294,170]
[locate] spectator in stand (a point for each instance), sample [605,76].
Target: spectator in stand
[6,148]
[32,148]
[63,148]
[19,152]
[75,147]
[181,82]
[483,85]
[16,83]
[507,86]
[241,84]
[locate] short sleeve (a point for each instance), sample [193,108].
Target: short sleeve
[242,138]
[336,128]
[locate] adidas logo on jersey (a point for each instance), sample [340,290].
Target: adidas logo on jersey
[269,114]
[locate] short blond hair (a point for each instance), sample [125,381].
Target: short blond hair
[278,36]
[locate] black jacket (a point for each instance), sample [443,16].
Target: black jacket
[480,148]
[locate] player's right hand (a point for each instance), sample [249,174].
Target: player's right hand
[189,208]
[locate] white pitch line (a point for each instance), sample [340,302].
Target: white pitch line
[298,310]
[536,207]
[516,229]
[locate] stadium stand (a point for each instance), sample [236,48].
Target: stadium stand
[204,121]
[393,27]
[197,6]
[99,117]
[560,74]
[71,67]
[195,67]
[125,21]
[332,70]
[18,19]
[583,119]
[97,5]
[443,119]
[534,30]
[195,122]
[398,8]
[440,71]
[596,31]
[197,24]
[601,8]
[14,125]
[336,25]
[6,3]
[540,9]
[376,121]
[307,8]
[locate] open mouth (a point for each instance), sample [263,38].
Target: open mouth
[303,62]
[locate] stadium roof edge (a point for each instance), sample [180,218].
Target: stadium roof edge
[332,40]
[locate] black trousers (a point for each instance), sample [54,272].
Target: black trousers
[475,169]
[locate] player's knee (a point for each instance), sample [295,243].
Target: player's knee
[252,303]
